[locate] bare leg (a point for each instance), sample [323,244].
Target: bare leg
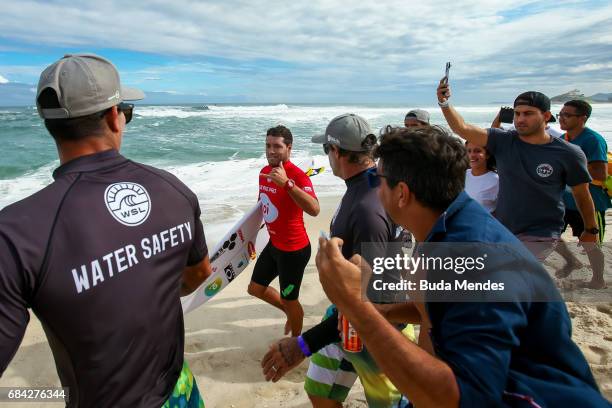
[572,262]
[319,402]
[295,316]
[267,294]
[596,259]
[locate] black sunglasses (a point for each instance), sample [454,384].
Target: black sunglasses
[566,115]
[127,109]
[326,148]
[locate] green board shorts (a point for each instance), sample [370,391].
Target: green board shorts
[332,372]
[185,393]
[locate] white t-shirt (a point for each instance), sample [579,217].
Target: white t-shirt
[483,188]
[554,132]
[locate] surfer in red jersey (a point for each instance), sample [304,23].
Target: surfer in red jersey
[285,192]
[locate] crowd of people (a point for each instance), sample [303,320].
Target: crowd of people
[79,258]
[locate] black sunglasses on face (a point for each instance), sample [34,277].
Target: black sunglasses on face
[127,109]
[326,148]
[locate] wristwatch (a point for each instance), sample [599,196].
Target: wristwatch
[289,185]
[593,231]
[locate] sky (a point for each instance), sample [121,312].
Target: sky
[317,51]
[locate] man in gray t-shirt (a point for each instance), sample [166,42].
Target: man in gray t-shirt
[534,169]
[532,181]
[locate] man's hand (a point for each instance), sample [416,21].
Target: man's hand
[284,355]
[340,278]
[587,237]
[278,175]
[444,92]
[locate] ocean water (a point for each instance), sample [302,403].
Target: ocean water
[217,152]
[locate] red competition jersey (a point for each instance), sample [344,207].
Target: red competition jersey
[284,218]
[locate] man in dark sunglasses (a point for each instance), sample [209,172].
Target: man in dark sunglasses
[573,118]
[494,348]
[102,254]
[365,227]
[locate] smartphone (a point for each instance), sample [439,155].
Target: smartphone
[447,70]
[506,115]
[324,235]
[448,66]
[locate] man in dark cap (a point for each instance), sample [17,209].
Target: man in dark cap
[534,169]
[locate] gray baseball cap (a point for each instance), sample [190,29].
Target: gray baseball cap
[418,114]
[345,131]
[84,84]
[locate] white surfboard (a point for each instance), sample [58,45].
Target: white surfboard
[236,250]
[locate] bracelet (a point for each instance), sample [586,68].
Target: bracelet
[443,104]
[303,346]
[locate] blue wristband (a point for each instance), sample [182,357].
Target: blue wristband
[303,346]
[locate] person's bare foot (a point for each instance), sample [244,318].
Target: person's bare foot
[568,269]
[594,284]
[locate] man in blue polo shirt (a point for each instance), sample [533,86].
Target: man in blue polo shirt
[480,352]
[573,118]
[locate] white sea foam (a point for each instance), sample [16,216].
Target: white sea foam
[12,190]
[227,188]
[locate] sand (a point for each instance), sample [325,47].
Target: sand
[226,339]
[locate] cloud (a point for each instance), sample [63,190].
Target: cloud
[372,45]
[3,80]
[591,67]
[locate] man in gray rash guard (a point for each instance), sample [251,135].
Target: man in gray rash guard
[359,220]
[103,253]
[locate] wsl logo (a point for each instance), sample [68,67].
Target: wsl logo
[129,203]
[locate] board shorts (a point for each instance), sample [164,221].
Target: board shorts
[540,247]
[332,372]
[185,393]
[574,220]
[287,265]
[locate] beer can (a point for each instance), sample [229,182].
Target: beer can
[350,339]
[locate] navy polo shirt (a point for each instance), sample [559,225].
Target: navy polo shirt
[509,353]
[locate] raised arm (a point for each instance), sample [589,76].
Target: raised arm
[471,133]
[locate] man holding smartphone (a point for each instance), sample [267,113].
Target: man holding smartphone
[505,349]
[534,170]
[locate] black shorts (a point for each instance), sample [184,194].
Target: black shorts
[574,220]
[288,266]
